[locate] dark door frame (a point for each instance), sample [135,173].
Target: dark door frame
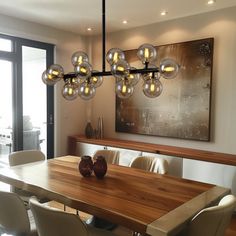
[16,57]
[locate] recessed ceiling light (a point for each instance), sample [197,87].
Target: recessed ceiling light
[89,29]
[210,2]
[163,13]
[125,22]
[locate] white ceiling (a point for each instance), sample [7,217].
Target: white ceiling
[78,15]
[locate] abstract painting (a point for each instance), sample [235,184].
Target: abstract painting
[183,108]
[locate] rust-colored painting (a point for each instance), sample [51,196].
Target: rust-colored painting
[183,108]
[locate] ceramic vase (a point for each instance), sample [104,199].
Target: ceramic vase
[86,166]
[100,167]
[100,127]
[89,130]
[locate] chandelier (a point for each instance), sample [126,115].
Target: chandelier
[84,81]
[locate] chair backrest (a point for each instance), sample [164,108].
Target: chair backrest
[26,156]
[53,222]
[13,214]
[213,221]
[149,163]
[111,156]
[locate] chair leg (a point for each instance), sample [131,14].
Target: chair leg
[64,206]
[100,223]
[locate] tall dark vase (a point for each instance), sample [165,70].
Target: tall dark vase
[100,127]
[89,130]
[86,166]
[100,167]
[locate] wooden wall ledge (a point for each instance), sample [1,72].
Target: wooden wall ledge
[188,153]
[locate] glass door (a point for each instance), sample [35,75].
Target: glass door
[34,97]
[37,98]
[26,104]
[5,110]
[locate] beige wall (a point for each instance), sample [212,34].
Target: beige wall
[222,26]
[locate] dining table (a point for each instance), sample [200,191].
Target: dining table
[145,202]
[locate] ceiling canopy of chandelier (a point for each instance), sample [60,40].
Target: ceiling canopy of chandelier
[84,80]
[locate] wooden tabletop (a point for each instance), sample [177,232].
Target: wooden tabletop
[142,201]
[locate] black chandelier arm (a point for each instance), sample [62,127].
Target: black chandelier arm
[108,73]
[144,70]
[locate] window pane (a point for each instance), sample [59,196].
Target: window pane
[5,111]
[34,99]
[5,45]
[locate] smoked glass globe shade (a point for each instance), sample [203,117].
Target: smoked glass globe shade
[124,89]
[147,53]
[114,55]
[70,91]
[48,79]
[79,57]
[120,69]
[133,78]
[169,68]
[96,80]
[83,70]
[86,91]
[152,88]
[53,74]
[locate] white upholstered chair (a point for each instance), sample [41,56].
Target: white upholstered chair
[14,218]
[212,221]
[150,163]
[53,222]
[111,156]
[20,158]
[24,157]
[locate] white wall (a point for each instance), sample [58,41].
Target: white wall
[222,175]
[69,116]
[219,24]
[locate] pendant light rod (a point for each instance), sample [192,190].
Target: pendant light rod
[103,35]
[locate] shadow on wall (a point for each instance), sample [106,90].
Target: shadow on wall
[234,183]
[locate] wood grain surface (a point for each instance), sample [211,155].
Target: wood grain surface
[126,196]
